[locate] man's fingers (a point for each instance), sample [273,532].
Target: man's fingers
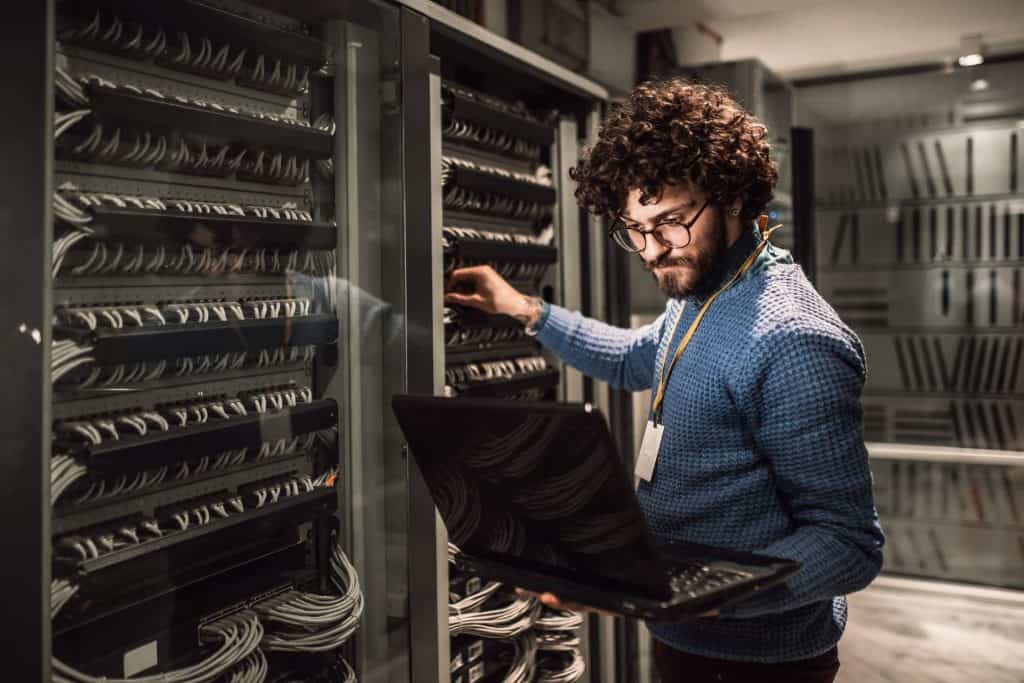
[465,276]
[473,300]
[551,600]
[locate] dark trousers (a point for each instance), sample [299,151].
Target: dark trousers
[679,667]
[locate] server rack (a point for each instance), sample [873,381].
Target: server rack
[220,203]
[206,205]
[505,127]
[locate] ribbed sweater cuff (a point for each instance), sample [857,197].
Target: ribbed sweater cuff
[553,325]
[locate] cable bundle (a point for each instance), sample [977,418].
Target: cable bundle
[524,659]
[449,164]
[494,140]
[185,52]
[517,108]
[188,207]
[110,258]
[462,199]
[68,356]
[237,636]
[509,269]
[277,168]
[456,335]
[498,369]
[458,377]
[511,619]
[134,146]
[560,667]
[483,136]
[95,542]
[469,603]
[254,669]
[454,233]
[116,258]
[309,622]
[325,166]
[95,316]
[559,659]
[99,429]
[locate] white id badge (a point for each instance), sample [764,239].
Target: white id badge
[648,454]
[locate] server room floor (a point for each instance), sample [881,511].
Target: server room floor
[899,633]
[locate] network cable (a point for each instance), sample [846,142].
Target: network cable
[238,637]
[512,619]
[310,622]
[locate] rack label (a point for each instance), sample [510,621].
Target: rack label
[141,658]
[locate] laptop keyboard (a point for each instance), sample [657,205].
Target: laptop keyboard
[696,580]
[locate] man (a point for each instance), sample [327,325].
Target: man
[755,440]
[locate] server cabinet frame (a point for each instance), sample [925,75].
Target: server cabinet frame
[24,268]
[26,218]
[426,30]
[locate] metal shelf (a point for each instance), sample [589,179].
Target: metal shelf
[475,319]
[155,228]
[68,518]
[482,181]
[289,511]
[970,456]
[866,204]
[481,249]
[217,25]
[466,108]
[133,454]
[546,379]
[480,353]
[136,344]
[118,106]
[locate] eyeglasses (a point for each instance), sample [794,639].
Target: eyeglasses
[671,233]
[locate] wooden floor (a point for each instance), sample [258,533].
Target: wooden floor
[899,634]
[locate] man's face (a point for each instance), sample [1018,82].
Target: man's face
[686,271]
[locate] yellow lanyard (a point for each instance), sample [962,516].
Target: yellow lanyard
[666,372]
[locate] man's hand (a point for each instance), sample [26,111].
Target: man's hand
[552,601]
[481,287]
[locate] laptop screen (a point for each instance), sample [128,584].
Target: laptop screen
[533,485]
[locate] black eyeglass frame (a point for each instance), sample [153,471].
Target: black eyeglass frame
[619,226]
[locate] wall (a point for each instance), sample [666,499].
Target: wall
[612,51]
[496,16]
[694,46]
[834,37]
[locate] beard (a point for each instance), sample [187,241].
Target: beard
[696,275]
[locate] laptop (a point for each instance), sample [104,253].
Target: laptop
[536,496]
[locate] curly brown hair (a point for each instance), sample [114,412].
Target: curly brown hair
[671,132]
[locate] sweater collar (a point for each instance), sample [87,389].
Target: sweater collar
[735,255]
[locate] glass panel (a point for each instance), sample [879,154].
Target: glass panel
[920,246]
[369,180]
[953,520]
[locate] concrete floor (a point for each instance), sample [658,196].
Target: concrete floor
[903,631]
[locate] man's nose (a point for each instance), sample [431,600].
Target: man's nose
[653,250]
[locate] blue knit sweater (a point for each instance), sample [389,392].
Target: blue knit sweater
[763,449]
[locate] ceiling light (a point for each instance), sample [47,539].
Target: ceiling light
[971,51]
[979,84]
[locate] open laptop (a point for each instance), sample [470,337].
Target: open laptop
[535,495]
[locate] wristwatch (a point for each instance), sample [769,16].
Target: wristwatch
[537,310]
